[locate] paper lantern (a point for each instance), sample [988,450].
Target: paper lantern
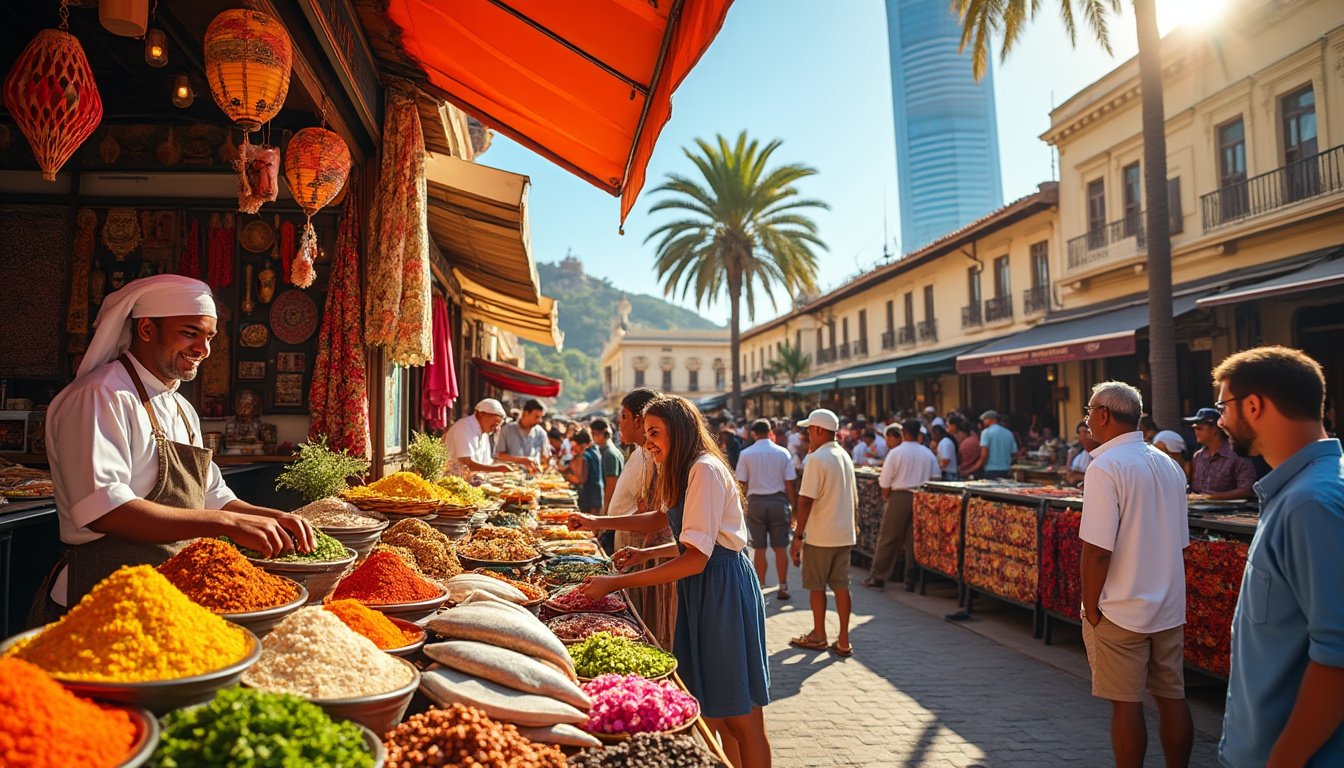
[248,56]
[317,163]
[51,95]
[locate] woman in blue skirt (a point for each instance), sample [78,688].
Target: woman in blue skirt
[720,636]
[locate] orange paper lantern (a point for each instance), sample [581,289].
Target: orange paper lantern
[51,94]
[317,163]
[248,56]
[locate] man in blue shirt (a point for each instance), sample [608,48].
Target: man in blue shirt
[1284,706]
[997,446]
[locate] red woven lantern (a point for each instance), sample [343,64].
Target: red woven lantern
[317,163]
[52,96]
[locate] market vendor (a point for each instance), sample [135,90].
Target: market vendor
[469,439]
[132,479]
[1216,470]
[524,441]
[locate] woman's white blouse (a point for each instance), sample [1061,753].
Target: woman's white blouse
[712,510]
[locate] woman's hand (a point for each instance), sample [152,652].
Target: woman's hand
[630,557]
[598,587]
[580,522]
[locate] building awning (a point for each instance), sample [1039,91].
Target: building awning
[478,218]
[515,379]
[889,371]
[588,85]
[535,321]
[712,402]
[1320,274]
[1100,334]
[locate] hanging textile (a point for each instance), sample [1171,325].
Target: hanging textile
[339,395]
[221,250]
[77,313]
[287,250]
[398,279]
[190,264]
[440,383]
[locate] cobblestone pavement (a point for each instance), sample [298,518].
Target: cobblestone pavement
[920,691]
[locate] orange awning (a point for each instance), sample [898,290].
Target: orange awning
[588,85]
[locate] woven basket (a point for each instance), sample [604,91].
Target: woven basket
[403,507]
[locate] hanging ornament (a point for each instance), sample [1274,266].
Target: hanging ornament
[51,94]
[317,163]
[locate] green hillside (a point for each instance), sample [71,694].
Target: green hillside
[587,308]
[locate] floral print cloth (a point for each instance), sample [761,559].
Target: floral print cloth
[339,395]
[1061,562]
[1213,571]
[870,510]
[1002,549]
[938,531]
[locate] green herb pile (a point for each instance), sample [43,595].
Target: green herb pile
[244,728]
[428,455]
[604,653]
[573,572]
[327,549]
[319,471]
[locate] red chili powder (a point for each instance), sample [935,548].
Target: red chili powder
[383,579]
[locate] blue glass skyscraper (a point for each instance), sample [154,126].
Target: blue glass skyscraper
[947,141]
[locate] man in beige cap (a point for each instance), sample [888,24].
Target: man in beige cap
[468,439]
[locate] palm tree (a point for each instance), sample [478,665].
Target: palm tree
[743,229]
[789,364]
[981,18]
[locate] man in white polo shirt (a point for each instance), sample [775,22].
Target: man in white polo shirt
[908,466]
[767,470]
[1134,529]
[469,439]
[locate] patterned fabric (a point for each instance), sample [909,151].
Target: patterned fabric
[1213,571]
[438,389]
[398,308]
[870,513]
[938,531]
[77,314]
[1001,549]
[1061,562]
[339,395]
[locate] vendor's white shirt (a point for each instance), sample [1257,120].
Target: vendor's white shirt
[765,467]
[631,483]
[711,513]
[829,482]
[1134,506]
[1080,461]
[860,454]
[908,466]
[947,449]
[466,440]
[101,448]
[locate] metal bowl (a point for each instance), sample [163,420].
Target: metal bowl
[471,562]
[410,648]
[617,738]
[361,540]
[411,612]
[318,578]
[453,528]
[262,622]
[146,737]
[375,745]
[377,712]
[158,696]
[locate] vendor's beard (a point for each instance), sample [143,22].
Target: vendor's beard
[167,364]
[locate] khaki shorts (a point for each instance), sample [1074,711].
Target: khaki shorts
[1124,662]
[825,567]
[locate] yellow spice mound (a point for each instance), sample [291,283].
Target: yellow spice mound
[400,485]
[135,626]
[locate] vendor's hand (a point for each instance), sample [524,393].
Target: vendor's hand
[629,557]
[580,522]
[264,534]
[597,587]
[300,530]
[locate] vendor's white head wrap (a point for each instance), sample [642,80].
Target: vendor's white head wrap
[156,296]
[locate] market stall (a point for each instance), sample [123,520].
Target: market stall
[1001,555]
[869,511]
[938,521]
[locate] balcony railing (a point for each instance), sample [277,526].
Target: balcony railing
[906,334]
[1035,300]
[971,317]
[826,356]
[844,351]
[1310,177]
[1118,240]
[889,340]
[861,348]
[927,330]
[999,308]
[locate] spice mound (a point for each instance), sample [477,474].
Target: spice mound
[217,576]
[42,725]
[406,486]
[573,600]
[574,627]
[460,492]
[241,727]
[384,579]
[573,572]
[326,550]
[370,624]
[333,512]
[314,654]
[135,626]
[465,737]
[496,544]
[632,704]
[604,653]
[645,749]
[432,552]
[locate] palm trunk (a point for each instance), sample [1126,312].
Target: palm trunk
[1165,400]
[735,342]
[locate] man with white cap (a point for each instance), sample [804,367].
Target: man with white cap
[469,439]
[132,479]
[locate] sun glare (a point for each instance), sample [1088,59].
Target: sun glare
[1191,14]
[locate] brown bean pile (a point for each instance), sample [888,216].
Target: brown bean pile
[647,750]
[464,736]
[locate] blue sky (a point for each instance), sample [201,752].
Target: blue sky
[816,75]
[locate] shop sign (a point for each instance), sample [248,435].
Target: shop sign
[342,39]
[1083,349]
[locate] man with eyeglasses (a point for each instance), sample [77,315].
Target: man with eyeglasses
[1216,471]
[1283,695]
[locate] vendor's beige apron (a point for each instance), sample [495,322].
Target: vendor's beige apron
[184,471]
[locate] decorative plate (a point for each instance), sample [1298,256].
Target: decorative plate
[255,335]
[293,317]
[257,236]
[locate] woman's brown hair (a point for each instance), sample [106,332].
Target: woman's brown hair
[688,440]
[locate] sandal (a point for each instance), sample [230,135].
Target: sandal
[806,641]
[874,583]
[783,593]
[843,653]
